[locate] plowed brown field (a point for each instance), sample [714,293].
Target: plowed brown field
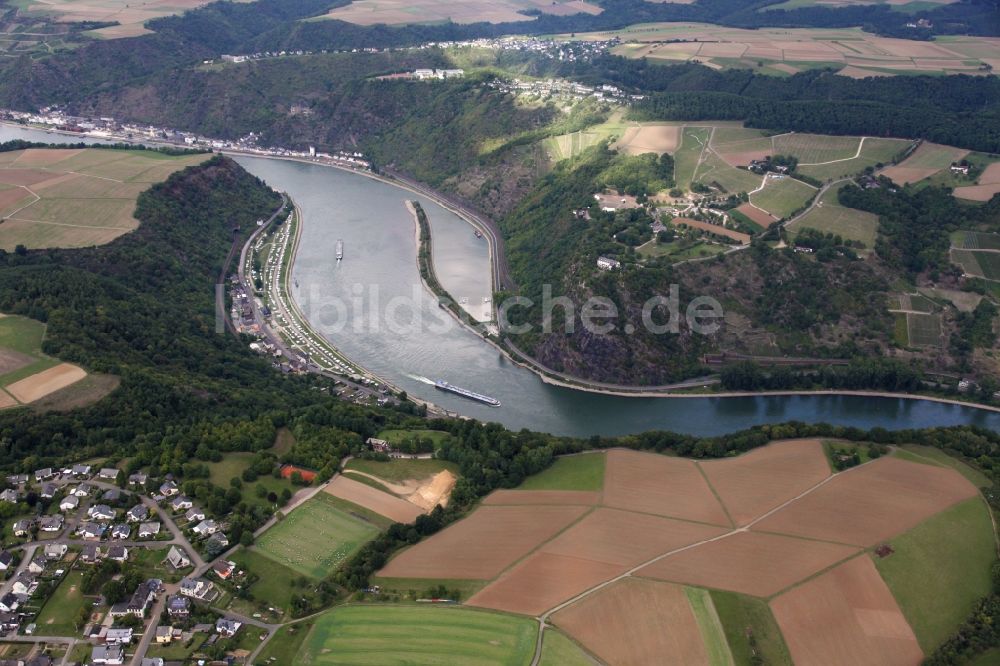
[378,501]
[757,564]
[666,486]
[636,622]
[622,537]
[756,482]
[871,503]
[484,544]
[846,616]
[543,581]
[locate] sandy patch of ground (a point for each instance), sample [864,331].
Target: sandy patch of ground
[626,538]
[760,565]
[381,503]
[543,581]
[990,175]
[636,622]
[871,503]
[515,497]
[48,381]
[752,484]
[858,73]
[484,544]
[424,493]
[846,616]
[436,491]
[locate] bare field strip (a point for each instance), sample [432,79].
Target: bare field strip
[760,565]
[76,197]
[903,175]
[757,215]
[399,12]
[846,616]
[535,497]
[658,484]
[6,400]
[977,192]
[130,18]
[482,545]
[636,622]
[626,538]
[784,49]
[43,383]
[752,484]
[381,503]
[543,581]
[871,503]
[657,139]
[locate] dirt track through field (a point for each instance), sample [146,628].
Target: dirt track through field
[794,520]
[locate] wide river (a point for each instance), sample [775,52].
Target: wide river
[372,307]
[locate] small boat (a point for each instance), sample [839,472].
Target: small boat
[340,249]
[479,234]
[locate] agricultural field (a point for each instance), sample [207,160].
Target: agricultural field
[940,569]
[987,185]
[382,503]
[130,15]
[688,155]
[28,376]
[977,254]
[924,330]
[580,472]
[275,584]
[712,547]
[829,216]
[557,650]
[398,12]
[783,196]
[782,52]
[315,538]
[66,198]
[869,153]
[927,160]
[417,635]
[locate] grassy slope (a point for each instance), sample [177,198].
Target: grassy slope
[25,336]
[558,650]
[401,469]
[582,472]
[712,632]
[413,634]
[929,454]
[275,583]
[281,650]
[741,615]
[940,569]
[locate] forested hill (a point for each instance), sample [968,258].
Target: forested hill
[226,27]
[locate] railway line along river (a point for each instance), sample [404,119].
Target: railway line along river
[348,301]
